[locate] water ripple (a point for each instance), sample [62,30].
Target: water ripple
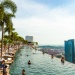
[41,64]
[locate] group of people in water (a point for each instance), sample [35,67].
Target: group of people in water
[62,58]
[23,71]
[52,56]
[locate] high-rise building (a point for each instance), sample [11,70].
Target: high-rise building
[29,38]
[70,50]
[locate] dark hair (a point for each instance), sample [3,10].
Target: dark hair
[5,66]
[23,70]
[3,61]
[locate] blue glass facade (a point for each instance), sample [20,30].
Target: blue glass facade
[70,50]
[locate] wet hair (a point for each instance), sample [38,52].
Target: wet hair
[23,70]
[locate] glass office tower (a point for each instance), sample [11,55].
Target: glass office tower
[70,50]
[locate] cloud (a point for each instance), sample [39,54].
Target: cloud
[47,25]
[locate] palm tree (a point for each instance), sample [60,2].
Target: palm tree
[14,36]
[9,28]
[1,13]
[6,4]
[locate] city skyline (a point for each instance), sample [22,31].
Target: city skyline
[50,22]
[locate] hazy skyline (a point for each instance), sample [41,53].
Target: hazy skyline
[50,22]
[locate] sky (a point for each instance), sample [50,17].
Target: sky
[50,22]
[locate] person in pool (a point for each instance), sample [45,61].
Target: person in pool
[52,56]
[23,72]
[62,60]
[29,62]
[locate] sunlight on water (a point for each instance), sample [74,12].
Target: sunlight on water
[41,64]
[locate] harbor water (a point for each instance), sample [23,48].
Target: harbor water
[41,64]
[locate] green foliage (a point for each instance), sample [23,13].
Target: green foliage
[5,17]
[5,41]
[1,13]
[25,41]
[36,43]
[9,5]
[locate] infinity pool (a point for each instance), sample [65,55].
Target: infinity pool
[41,64]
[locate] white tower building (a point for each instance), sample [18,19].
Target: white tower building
[29,38]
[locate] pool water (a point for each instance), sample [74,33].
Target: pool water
[42,64]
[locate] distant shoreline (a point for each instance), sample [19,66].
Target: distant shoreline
[55,50]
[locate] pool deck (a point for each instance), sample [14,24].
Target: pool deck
[7,57]
[1,71]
